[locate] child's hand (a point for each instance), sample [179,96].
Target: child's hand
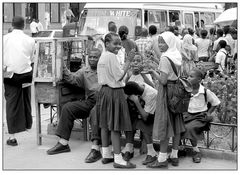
[209,117]
[134,98]
[131,55]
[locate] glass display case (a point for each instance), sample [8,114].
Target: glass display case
[49,57]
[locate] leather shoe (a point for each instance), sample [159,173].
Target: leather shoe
[93,156]
[197,157]
[127,155]
[129,165]
[58,148]
[149,159]
[157,164]
[174,161]
[12,142]
[107,160]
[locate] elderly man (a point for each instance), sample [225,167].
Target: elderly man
[85,78]
[18,49]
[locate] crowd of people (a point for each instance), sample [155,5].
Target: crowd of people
[127,87]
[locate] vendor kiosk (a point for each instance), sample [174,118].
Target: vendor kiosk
[49,88]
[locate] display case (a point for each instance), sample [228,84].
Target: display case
[49,88]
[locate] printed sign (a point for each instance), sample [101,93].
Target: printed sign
[117,13]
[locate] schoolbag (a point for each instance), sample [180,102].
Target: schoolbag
[179,101]
[205,97]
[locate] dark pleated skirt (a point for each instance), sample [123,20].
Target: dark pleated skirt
[113,109]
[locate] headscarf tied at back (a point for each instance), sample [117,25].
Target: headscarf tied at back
[172,51]
[187,42]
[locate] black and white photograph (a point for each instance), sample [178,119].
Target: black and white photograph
[123,86]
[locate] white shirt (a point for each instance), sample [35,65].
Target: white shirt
[40,26]
[202,46]
[109,70]
[230,42]
[220,59]
[198,103]
[139,78]
[150,98]
[18,49]
[33,27]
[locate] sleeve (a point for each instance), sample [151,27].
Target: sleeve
[219,57]
[150,104]
[76,78]
[212,98]
[164,65]
[115,68]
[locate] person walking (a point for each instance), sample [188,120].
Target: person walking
[18,49]
[87,79]
[34,27]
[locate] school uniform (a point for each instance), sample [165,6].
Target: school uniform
[111,101]
[196,121]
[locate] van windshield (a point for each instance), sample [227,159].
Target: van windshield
[95,21]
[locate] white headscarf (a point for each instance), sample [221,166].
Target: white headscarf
[172,51]
[187,42]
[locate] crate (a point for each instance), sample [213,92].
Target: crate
[206,65]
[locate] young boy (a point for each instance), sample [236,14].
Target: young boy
[143,119]
[199,116]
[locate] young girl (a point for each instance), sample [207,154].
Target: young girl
[166,123]
[198,115]
[111,102]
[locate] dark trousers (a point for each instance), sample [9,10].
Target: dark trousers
[94,121]
[18,103]
[70,112]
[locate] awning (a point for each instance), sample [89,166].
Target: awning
[227,17]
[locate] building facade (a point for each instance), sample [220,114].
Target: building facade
[51,15]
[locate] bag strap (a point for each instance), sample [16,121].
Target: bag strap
[205,94]
[173,66]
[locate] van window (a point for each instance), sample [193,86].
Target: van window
[189,20]
[159,19]
[95,21]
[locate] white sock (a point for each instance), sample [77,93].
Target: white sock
[96,147]
[150,150]
[129,147]
[174,153]
[63,141]
[106,153]
[196,149]
[119,159]
[11,136]
[162,157]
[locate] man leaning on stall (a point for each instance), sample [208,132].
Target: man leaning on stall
[87,79]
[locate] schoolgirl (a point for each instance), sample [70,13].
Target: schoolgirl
[111,103]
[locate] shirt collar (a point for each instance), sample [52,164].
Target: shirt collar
[200,91]
[17,31]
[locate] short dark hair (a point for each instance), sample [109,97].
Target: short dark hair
[132,88]
[18,22]
[94,49]
[226,29]
[123,32]
[112,27]
[212,31]
[219,32]
[109,37]
[144,32]
[170,29]
[152,29]
[222,43]
[204,33]
[190,31]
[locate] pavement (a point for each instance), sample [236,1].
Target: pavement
[30,156]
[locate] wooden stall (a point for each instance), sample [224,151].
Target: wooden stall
[49,88]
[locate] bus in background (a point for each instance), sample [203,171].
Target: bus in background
[95,17]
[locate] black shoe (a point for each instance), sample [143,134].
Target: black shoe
[107,160]
[127,155]
[174,161]
[157,164]
[129,165]
[93,156]
[12,142]
[58,148]
[149,159]
[196,157]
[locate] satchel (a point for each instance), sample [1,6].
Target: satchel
[179,101]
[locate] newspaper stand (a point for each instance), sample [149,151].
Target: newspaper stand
[50,56]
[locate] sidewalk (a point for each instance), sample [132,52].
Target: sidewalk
[30,156]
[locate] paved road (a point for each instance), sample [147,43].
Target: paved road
[29,156]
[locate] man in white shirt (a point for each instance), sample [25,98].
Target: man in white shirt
[219,38]
[18,49]
[39,25]
[34,28]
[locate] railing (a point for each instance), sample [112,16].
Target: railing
[214,136]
